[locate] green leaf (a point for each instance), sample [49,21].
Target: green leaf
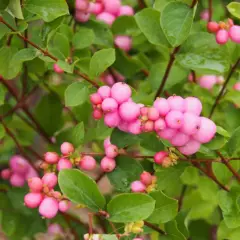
[176,22]
[2,94]
[78,134]
[130,207]
[234,9]
[190,176]
[26,54]
[61,42]
[10,20]
[15,7]
[224,232]
[9,222]
[83,38]
[173,232]
[47,10]
[216,143]
[166,208]
[3,4]
[2,131]
[109,237]
[222,132]
[76,94]
[233,144]
[101,60]
[233,96]
[127,170]
[66,66]
[151,142]
[122,139]
[148,22]
[80,188]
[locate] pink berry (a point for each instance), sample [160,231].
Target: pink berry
[179,139]
[48,207]
[95,8]
[118,76]
[121,92]
[190,148]
[50,180]
[135,127]
[111,151]
[67,148]
[17,180]
[87,163]
[51,157]
[159,125]
[109,105]
[123,42]
[193,105]
[112,120]
[204,15]
[213,27]
[63,205]
[31,173]
[162,105]
[174,119]
[35,184]
[106,17]
[167,133]
[112,6]
[107,142]
[104,92]
[234,33]
[137,239]
[81,5]
[55,229]
[206,131]
[97,114]
[138,186]
[191,123]
[107,164]
[237,86]
[129,111]
[57,69]
[96,98]
[176,103]
[222,36]
[64,164]
[144,111]
[6,174]
[33,200]
[108,79]
[19,164]
[148,126]
[146,178]
[123,126]
[190,77]
[153,114]
[207,81]
[82,16]
[159,157]
[126,10]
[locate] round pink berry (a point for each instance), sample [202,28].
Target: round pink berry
[6,174]
[55,229]
[126,10]
[31,173]
[96,98]
[121,92]
[138,186]
[234,33]
[146,178]
[51,157]
[109,105]
[64,164]
[159,157]
[48,207]
[64,205]
[19,164]
[213,27]
[50,180]
[17,180]
[112,120]
[207,81]
[153,114]
[33,200]
[107,164]
[204,15]
[190,148]
[123,42]
[57,69]
[106,17]
[95,8]
[159,125]
[67,148]
[111,151]
[97,114]
[167,133]
[237,86]
[87,163]
[179,139]
[162,105]
[135,127]
[144,111]
[129,111]
[82,16]
[104,92]
[222,36]
[35,184]
[148,126]
[176,103]
[112,6]
[123,126]
[108,79]
[107,142]
[193,105]
[174,119]
[81,5]
[191,123]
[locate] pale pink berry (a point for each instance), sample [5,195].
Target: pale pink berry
[64,205]
[97,114]
[33,200]
[104,92]
[50,180]
[237,86]
[135,127]
[206,131]
[159,157]
[81,5]
[6,174]
[112,120]
[109,105]
[17,180]
[19,164]
[108,79]
[190,148]
[82,16]
[55,229]
[129,111]
[222,36]
[207,81]
[146,178]
[137,239]
[121,92]
[204,15]
[123,126]
[107,164]
[67,148]
[112,6]
[123,42]
[153,114]
[111,151]
[35,184]
[193,105]
[96,98]
[174,119]
[190,77]
[159,125]
[107,142]
[167,133]
[106,17]
[144,111]
[51,157]
[57,69]
[176,103]
[213,27]
[31,173]
[87,163]
[148,126]
[126,10]
[234,33]
[180,139]
[162,105]
[64,164]
[138,186]
[191,123]
[48,207]
[95,8]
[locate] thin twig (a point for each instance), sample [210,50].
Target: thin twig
[154,227]
[210,10]
[25,69]
[180,200]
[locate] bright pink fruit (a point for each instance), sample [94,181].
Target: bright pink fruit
[64,205]
[104,92]
[129,111]
[55,229]
[67,148]
[106,17]
[57,69]
[207,81]
[82,16]
[162,105]
[123,126]
[109,105]
[97,114]
[87,163]
[64,164]
[6,174]
[50,180]
[19,164]
[108,164]
[33,200]
[204,15]
[213,27]
[193,105]
[176,103]
[159,125]
[96,98]
[112,6]
[35,184]
[237,86]
[190,148]
[144,111]
[153,114]
[17,180]
[234,33]
[81,5]
[31,173]
[159,157]
[179,139]
[191,123]
[146,178]
[121,92]
[108,79]
[123,42]
[107,142]
[167,133]
[112,120]
[126,10]
[174,119]
[111,151]
[95,8]
[222,36]
[135,127]
[48,207]
[148,126]
[51,157]
[138,186]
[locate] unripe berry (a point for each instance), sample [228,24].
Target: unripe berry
[176,103]
[179,139]
[153,114]
[121,92]
[237,86]
[64,164]
[129,111]
[193,105]
[107,164]
[95,8]
[50,180]
[19,164]
[106,17]
[48,207]
[17,180]
[81,5]
[159,125]
[167,133]
[55,229]
[207,81]
[162,105]
[135,127]
[112,120]
[138,186]
[234,33]
[111,151]
[123,42]
[191,123]
[64,205]
[159,157]
[107,142]
[213,27]
[35,184]
[57,69]
[104,92]
[87,163]
[33,200]
[67,148]
[146,178]
[112,6]
[82,16]
[174,119]
[51,157]
[6,174]
[109,105]
[190,148]
[97,114]
[222,36]
[126,10]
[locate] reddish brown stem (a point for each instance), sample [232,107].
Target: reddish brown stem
[90,223]
[115,230]
[86,78]
[194,2]
[180,200]
[141,4]
[210,10]
[194,76]
[154,227]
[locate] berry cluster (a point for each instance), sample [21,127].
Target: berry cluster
[19,172]
[174,119]
[224,31]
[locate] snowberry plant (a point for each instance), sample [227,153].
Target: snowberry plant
[119,119]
